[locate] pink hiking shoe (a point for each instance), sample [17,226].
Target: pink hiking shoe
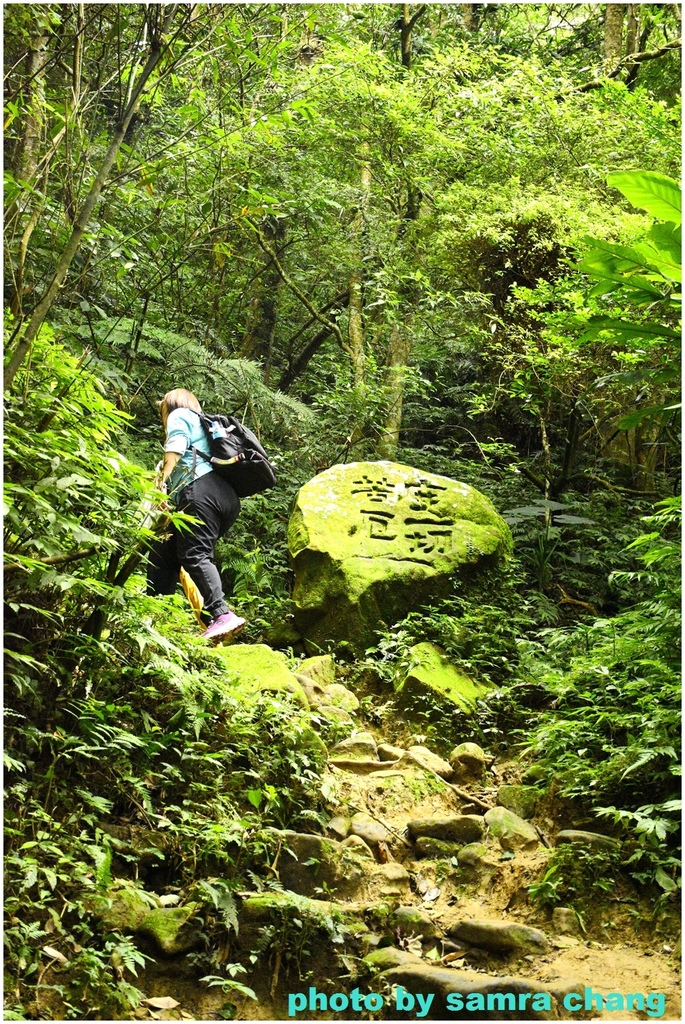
[224,627]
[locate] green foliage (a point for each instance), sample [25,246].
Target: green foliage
[614,733]
[576,877]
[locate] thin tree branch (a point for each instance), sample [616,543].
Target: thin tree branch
[73,556]
[264,245]
[415,17]
[627,63]
[340,297]
[300,363]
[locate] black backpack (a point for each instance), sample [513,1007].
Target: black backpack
[236,455]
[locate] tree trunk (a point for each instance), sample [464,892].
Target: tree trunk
[81,223]
[405,34]
[356,303]
[262,313]
[25,163]
[471,13]
[399,350]
[636,40]
[613,31]
[26,155]
[407,22]
[632,29]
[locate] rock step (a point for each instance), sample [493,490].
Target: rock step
[571,835]
[359,766]
[465,995]
[499,936]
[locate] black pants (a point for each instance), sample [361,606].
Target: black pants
[213,501]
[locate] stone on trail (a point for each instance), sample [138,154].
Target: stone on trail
[341,697]
[565,922]
[387,752]
[436,685]
[411,921]
[457,828]
[359,846]
[370,541]
[361,746]
[435,849]
[389,956]
[441,981]
[258,668]
[308,863]
[167,927]
[356,765]
[471,854]
[521,800]
[393,879]
[572,835]
[262,906]
[340,826]
[474,862]
[499,936]
[468,762]
[425,758]
[123,910]
[321,669]
[513,832]
[333,714]
[370,830]
[314,692]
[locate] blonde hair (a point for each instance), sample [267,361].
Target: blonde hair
[179,398]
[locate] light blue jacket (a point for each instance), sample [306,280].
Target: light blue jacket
[183,432]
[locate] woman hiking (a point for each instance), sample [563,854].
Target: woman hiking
[194,488]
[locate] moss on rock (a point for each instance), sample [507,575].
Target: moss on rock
[167,927]
[320,668]
[123,910]
[513,832]
[435,849]
[256,668]
[371,540]
[522,800]
[433,682]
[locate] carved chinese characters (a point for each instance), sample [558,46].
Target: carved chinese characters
[425,532]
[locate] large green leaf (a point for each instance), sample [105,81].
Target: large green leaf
[656,193]
[627,330]
[662,249]
[624,265]
[653,412]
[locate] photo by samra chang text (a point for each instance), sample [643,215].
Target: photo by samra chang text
[653,1004]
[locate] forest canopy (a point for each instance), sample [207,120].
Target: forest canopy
[445,235]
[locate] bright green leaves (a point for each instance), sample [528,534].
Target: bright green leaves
[626,331]
[662,248]
[646,274]
[659,195]
[649,268]
[72,500]
[621,266]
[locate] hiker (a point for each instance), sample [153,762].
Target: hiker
[193,487]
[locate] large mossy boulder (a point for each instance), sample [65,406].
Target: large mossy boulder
[370,541]
[434,686]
